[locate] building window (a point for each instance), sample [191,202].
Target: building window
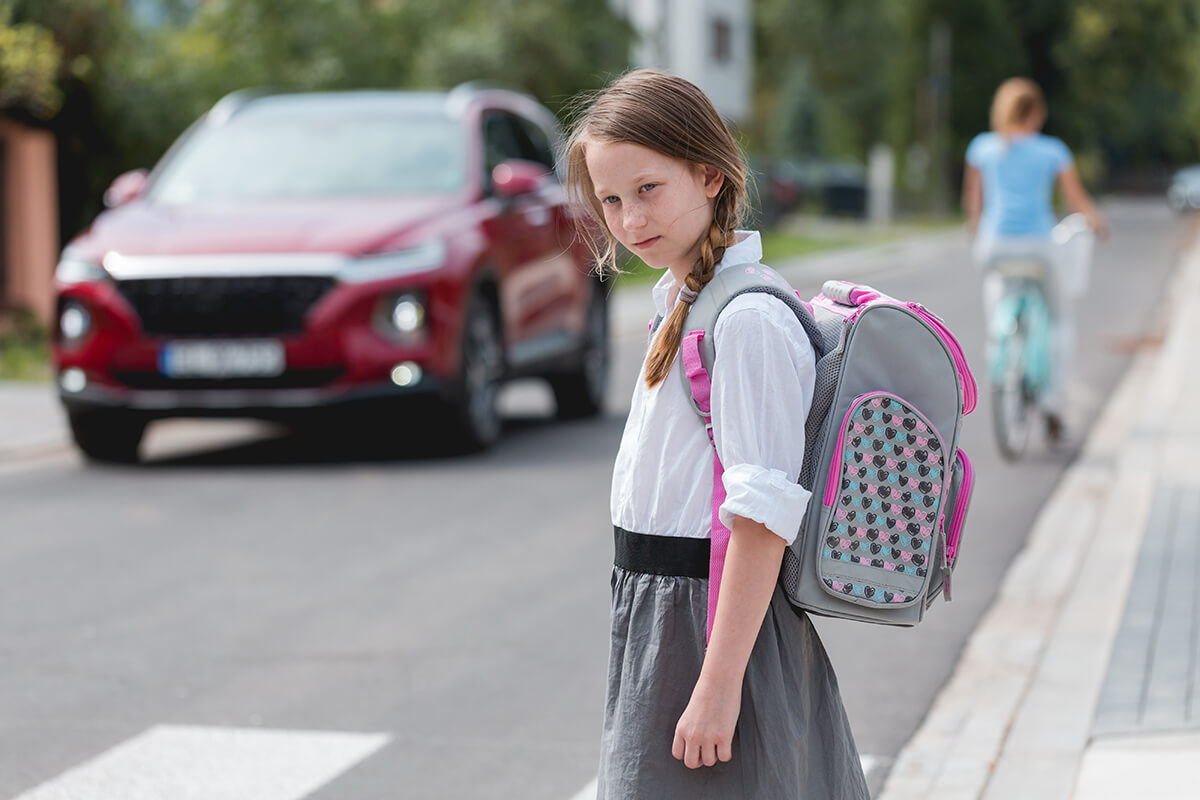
[722,40]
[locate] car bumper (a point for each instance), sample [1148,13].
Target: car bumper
[339,354]
[240,402]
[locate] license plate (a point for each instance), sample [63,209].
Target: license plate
[240,359]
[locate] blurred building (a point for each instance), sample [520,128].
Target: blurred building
[708,42]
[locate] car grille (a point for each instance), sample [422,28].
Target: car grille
[232,305]
[291,379]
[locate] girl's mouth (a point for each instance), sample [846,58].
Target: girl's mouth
[642,245]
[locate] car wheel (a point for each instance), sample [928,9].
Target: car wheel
[580,393]
[481,370]
[112,436]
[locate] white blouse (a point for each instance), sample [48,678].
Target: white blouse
[762,386]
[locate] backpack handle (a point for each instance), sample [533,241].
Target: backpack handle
[849,294]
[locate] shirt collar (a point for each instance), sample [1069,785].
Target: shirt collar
[746,249]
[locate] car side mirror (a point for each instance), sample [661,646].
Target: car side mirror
[127,186]
[516,177]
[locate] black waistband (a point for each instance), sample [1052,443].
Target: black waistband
[661,555]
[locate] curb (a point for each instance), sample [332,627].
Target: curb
[1014,720]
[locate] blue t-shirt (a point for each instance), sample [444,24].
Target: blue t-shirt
[1018,181]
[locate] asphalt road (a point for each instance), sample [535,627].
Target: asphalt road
[450,612]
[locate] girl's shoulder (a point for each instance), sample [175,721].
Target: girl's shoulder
[760,319]
[1054,149]
[983,146]
[1052,143]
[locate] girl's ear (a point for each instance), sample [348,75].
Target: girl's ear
[713,178]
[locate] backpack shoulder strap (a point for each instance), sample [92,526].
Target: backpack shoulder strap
[697,350]
[717,294]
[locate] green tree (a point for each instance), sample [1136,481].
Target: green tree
[1131,78]
[29,65]
[550,50]
[822,76]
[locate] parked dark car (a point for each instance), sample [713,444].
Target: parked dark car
[1184,192]
[344,250]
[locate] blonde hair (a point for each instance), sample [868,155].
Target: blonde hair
[672,117]
[1015,103]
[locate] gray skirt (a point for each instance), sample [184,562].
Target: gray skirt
[792,740]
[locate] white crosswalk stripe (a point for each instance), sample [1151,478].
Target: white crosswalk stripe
[209,763]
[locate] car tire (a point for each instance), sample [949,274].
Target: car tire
[109,436]
[580,393]
[476,414]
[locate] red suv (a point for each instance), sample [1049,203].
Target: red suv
[301,251]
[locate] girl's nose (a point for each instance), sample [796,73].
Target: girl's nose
[633,218]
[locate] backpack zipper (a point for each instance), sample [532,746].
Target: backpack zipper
[960,509]
[954,534]
[970,389]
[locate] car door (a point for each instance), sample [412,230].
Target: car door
[564,287]
[534,269]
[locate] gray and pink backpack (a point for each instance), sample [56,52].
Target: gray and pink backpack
[890,486]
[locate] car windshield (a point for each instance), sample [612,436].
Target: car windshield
[291,157]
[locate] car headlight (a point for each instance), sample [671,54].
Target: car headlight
[74,323]
[422,258]
[401,317]
[72,269]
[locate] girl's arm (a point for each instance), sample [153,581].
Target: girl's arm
[704,734]
[1079,200]
[972,196]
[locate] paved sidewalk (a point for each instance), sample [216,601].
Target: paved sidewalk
[1083,679]
[31,422]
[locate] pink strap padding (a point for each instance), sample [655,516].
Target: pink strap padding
[719,545]
[701,385]
[693,367]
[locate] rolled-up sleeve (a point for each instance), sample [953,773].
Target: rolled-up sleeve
[762,380]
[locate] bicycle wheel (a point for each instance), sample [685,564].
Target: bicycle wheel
[1012,402]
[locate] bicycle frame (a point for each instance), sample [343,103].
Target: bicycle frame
[1018,351]
[1024,310]
[1035,274]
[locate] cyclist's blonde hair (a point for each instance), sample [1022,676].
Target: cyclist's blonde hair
[1016,102]
[673,117]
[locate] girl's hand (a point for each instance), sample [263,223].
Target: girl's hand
[704,734]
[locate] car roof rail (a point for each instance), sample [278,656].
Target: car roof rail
[457,98]
[478,85]
[231,103]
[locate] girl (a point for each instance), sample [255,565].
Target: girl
[1008,181]
[758,713]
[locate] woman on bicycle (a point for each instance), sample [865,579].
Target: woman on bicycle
[1008,185]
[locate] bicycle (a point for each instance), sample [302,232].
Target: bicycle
[1019,336]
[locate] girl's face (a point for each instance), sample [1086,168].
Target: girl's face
[657,206]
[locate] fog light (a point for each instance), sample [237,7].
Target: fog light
[406,374]
[407,314]
[72,380]
[75,322]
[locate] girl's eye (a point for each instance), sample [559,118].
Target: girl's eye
[647,187]
[612,199]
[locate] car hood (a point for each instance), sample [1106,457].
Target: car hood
[348,227]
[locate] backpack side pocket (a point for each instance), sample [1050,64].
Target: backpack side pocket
[883,502]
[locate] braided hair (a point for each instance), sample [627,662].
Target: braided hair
[672,117]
